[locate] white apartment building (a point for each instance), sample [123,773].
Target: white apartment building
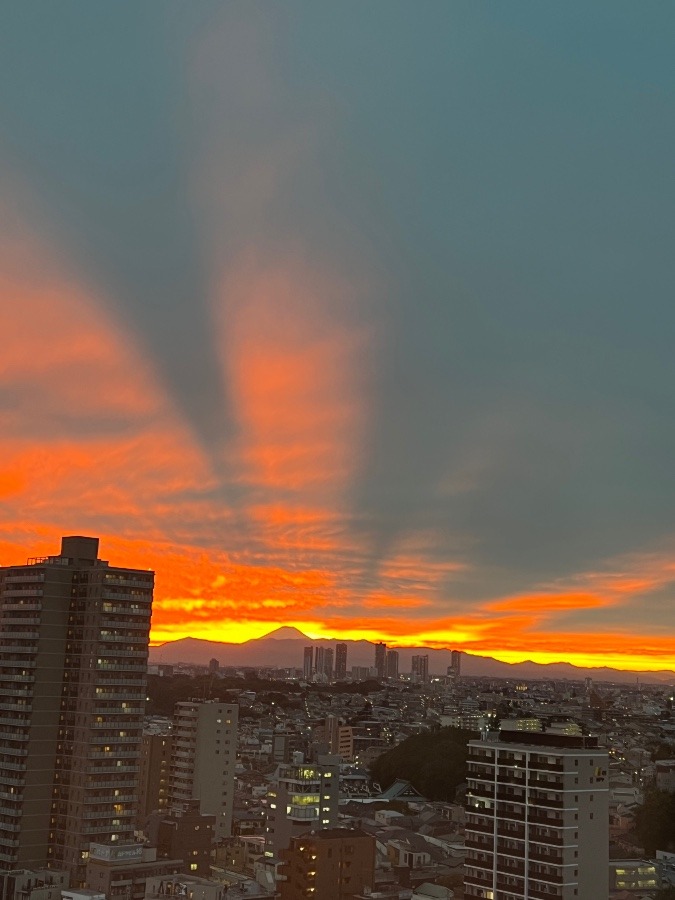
[303,796]
[203,759]
[537,818]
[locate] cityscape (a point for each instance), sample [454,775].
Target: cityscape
[120,777]
[337,394]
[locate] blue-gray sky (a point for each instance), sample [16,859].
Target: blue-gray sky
[362,310]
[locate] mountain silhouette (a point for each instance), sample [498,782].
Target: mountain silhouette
[284,648]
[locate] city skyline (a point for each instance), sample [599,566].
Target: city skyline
[352,323]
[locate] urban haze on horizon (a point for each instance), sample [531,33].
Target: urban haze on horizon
[351,321]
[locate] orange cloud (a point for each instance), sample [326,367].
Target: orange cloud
[297,374]
[546,604]
[89,442]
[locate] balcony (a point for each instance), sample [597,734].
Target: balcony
[119,667]
[25,579]
[542,766]
[116,609]
[514,869]
[480,842]
[127,582]
[537,894]
[112,754]
[556,784]
[114,737]
[15,722]
[545,803]
[511,831]
[21,607]
[546,839]
[539,818]
[13,736]
[551,859]
[483,827]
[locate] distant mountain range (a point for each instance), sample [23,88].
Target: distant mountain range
[284,648]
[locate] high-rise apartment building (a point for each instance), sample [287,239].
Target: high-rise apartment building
[392,663]
[73,659]
[323,663]
[308,663]
[455,667]
[420,667]
[381,660]
[303,796]
[537,818]
[203,759]
[340,662]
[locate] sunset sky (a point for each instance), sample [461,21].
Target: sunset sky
[354,316]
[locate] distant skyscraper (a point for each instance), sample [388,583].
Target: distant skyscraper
[392,663]
[420,667]
[537,817]
[203,759]
[340,662]
[73,660]
[455,667]
[308,663]
[381,660]
[328,663]
[214,666]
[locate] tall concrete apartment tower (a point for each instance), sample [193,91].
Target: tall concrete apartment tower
[73,659]
[308,663]
[537,818]
[420,667]
[455,667]
[203,759]
[340,662]
[381,659]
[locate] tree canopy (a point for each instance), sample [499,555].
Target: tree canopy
[655,822]
[435,764]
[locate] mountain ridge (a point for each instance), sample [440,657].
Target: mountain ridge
[284,647]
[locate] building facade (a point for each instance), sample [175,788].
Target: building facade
[340,662]
[381,660]
[537,818]
[303,796]
[308,663]
[155,764]
[329,864]
[120,871]
[73,658]
[203,759]
[420,667]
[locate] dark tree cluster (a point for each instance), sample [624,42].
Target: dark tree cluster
[435,764]
[165,691]
[655,822]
